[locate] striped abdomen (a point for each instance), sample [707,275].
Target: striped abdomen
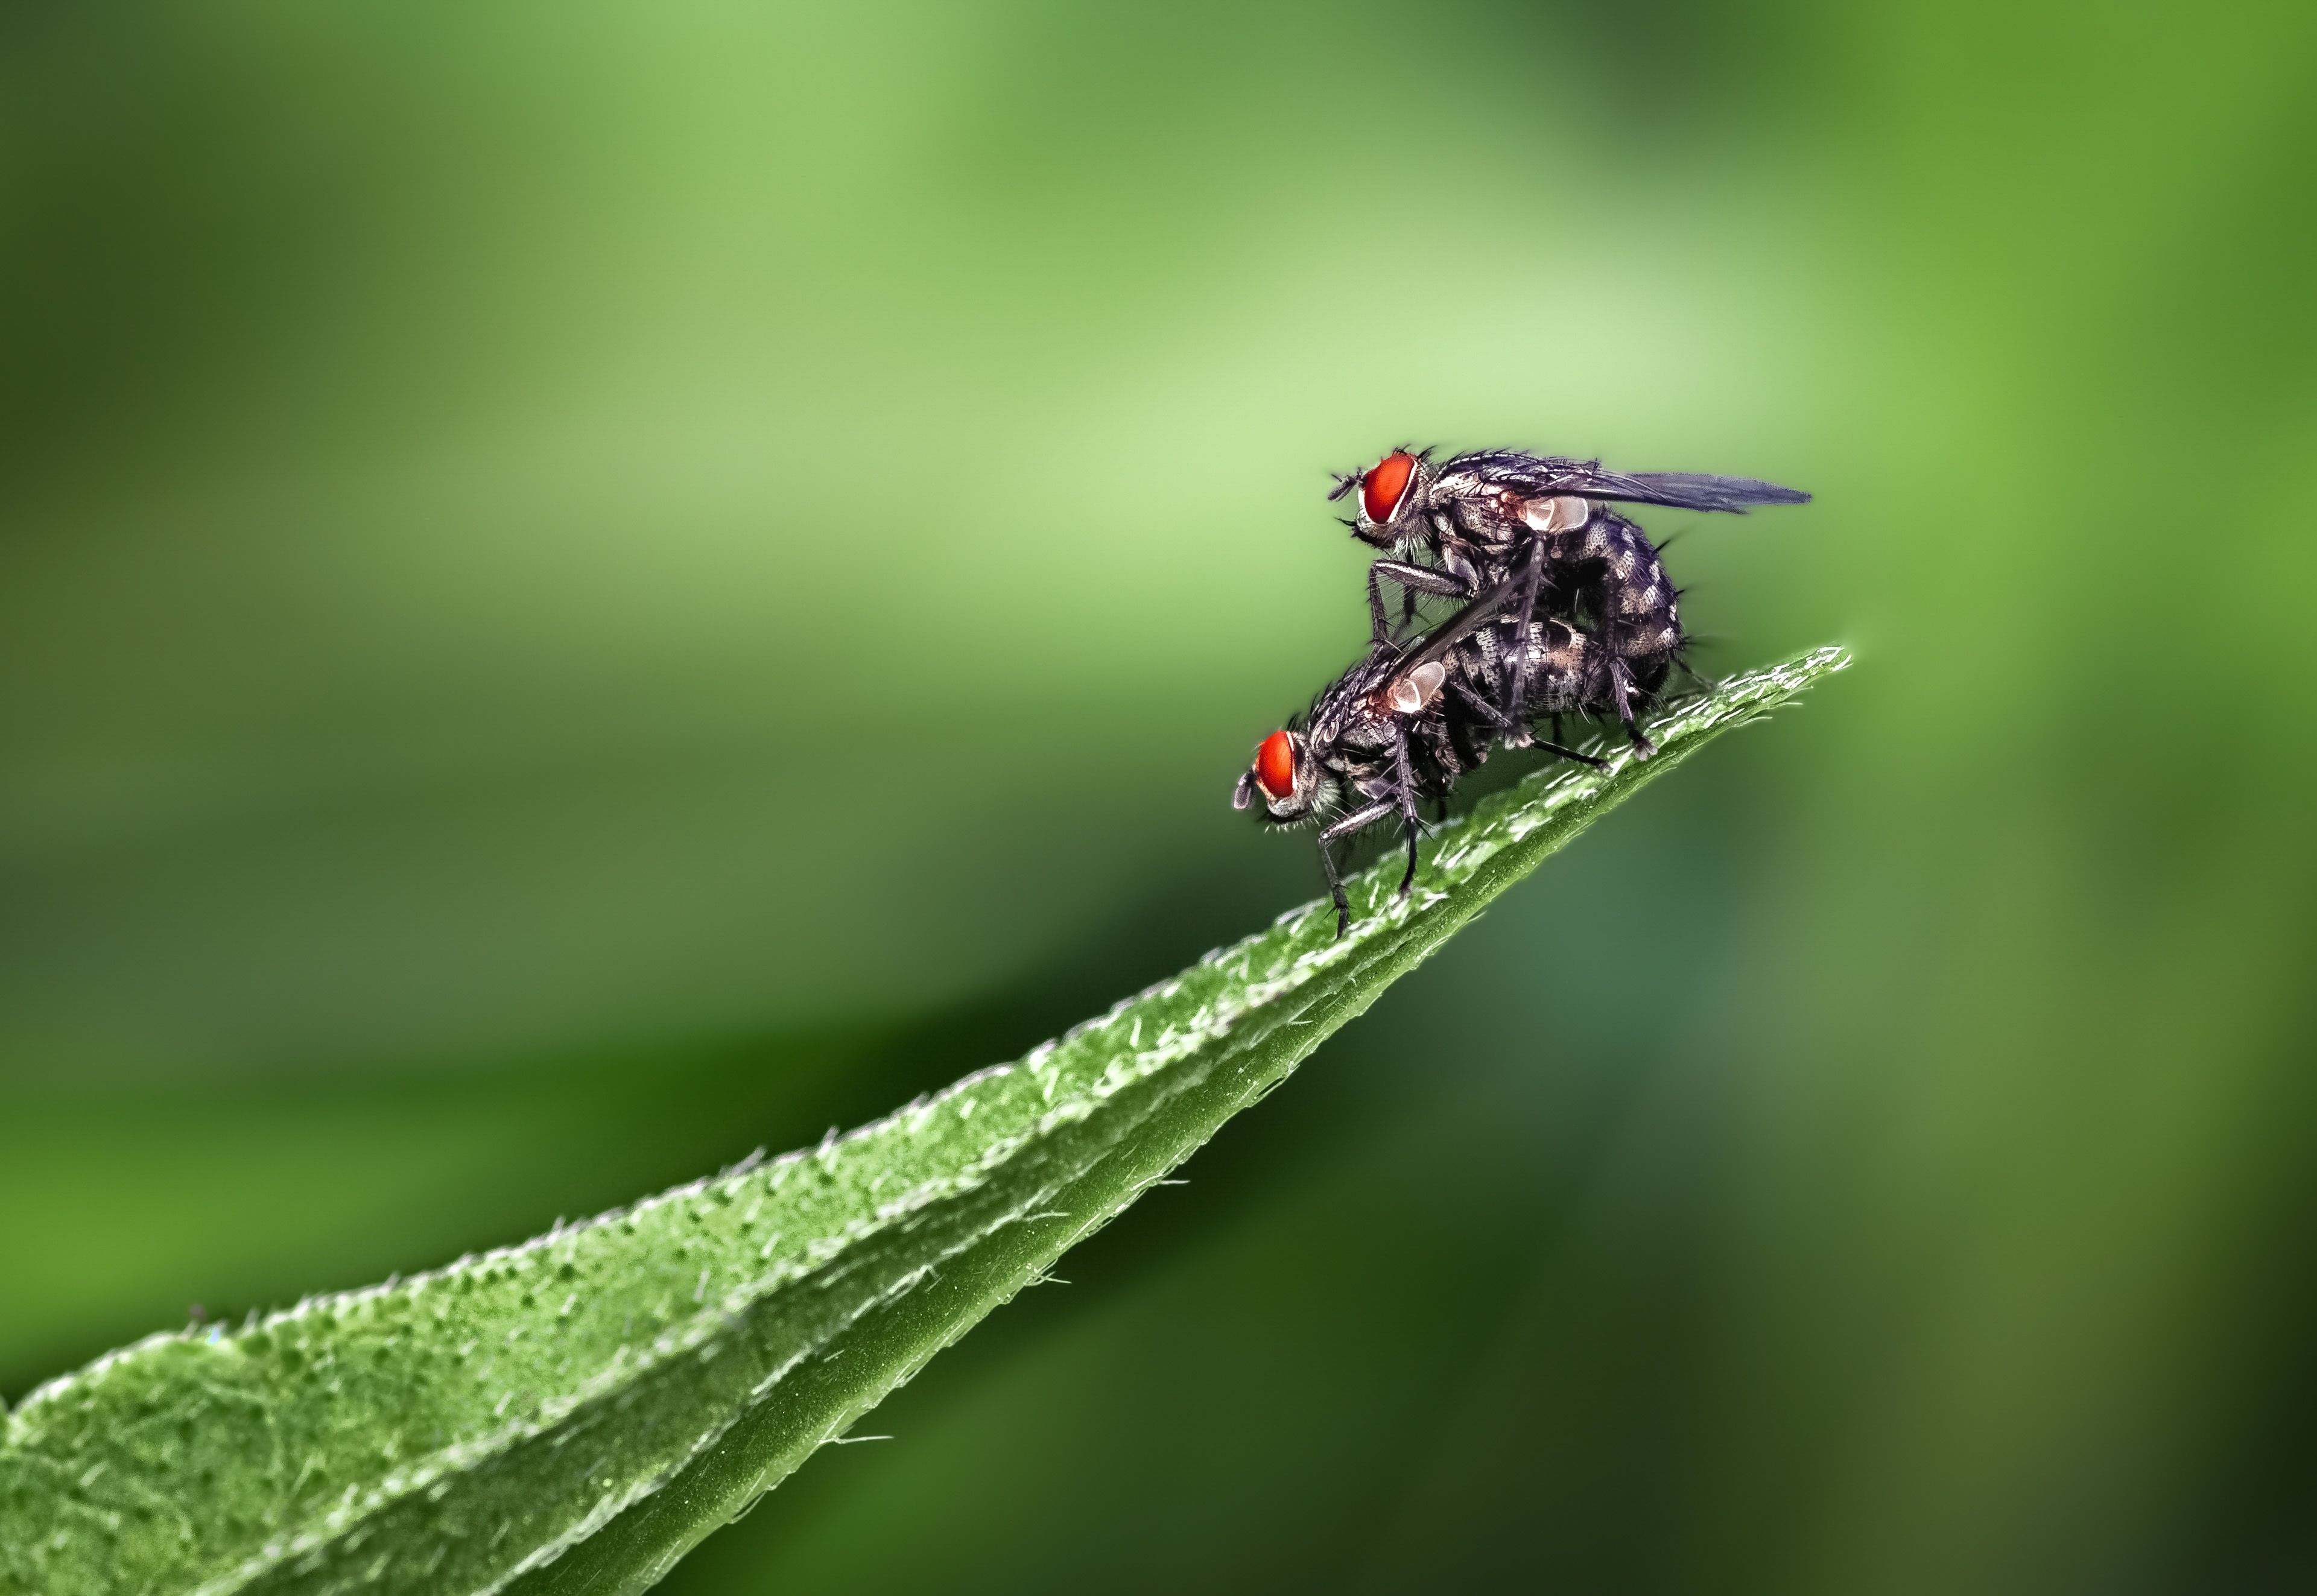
[1608,574]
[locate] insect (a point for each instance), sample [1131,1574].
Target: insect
[1406,723]
[1477,521]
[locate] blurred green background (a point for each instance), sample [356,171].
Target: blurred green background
[586,588]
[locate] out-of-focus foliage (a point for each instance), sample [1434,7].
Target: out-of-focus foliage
[497,509]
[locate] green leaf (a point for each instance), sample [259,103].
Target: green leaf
[572,1414]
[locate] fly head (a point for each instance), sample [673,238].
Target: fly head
[1388,499]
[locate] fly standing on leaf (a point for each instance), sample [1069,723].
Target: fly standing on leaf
[1536,523]
[1405,724]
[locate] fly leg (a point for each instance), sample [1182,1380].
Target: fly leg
[1336,889]
[1482,707]
[1523,609]
[1412,580]
[1620,693]
[1343,828]
[1407,809]
[1490,713]
[1572,755]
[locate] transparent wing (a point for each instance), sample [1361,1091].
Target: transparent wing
[1680,490]
[1543,475]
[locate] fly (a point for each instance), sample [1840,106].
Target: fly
[1541,526]
[1407,722]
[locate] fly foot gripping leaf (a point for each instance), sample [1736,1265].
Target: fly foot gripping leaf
[574,1413]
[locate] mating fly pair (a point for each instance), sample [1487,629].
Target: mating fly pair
[1568,612]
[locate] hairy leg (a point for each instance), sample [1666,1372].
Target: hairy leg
[1412,580]
[1407,811]
[1621,694]
[1531,578]
[1355,821]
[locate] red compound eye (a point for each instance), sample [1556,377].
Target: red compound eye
[1382,488]
[1274,765]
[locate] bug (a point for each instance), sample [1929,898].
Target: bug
[1406,723]
[1542,525]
